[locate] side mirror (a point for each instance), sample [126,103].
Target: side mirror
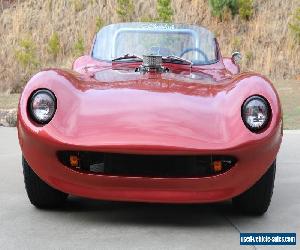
[236,57]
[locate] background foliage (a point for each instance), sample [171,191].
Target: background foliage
[295,25]
[40,34]
[164,10]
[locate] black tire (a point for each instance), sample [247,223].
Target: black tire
[256,200]
[40,193]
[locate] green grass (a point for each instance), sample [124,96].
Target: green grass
[9,101]
[289,92]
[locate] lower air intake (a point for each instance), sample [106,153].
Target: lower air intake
[164,166]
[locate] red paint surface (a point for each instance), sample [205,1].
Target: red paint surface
[231,66]
[111,108]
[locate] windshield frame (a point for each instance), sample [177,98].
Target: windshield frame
[188,29]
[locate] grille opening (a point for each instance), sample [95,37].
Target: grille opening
[164,166]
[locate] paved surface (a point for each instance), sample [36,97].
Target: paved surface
[86,224]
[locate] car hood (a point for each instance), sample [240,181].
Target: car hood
[122,74]
[149,111]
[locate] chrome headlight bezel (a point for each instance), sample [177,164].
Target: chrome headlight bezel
[52,106]
[268,113]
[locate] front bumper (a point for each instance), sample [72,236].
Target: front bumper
[40,151]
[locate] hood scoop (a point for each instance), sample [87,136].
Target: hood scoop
[152,63]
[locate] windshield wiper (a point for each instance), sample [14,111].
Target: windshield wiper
[178,59]
[128,57]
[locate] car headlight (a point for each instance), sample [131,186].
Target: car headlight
[42,106]
[256,113]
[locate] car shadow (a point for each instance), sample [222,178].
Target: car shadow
[134,213]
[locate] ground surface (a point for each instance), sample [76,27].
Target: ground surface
[87,224]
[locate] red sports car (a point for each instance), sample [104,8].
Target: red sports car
[154,114]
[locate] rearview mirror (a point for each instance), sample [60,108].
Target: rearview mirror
[236,57]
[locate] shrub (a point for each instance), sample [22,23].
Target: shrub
[125,9]
[219,7]
[245,9]
[54,45]
[294,25]
[99,23]
[78,5]
[79,47]
[26,54]
[164,10]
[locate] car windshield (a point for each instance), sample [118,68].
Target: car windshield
[189,42]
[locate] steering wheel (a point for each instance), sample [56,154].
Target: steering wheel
[194,49]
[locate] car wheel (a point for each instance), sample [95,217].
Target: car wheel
[256,200]
[40,193]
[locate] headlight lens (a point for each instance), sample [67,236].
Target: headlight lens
[42,106]
[256,113]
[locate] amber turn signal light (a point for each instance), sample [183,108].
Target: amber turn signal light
[217,166]
[74,161]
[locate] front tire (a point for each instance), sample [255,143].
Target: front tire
[40,193]
[256,200]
